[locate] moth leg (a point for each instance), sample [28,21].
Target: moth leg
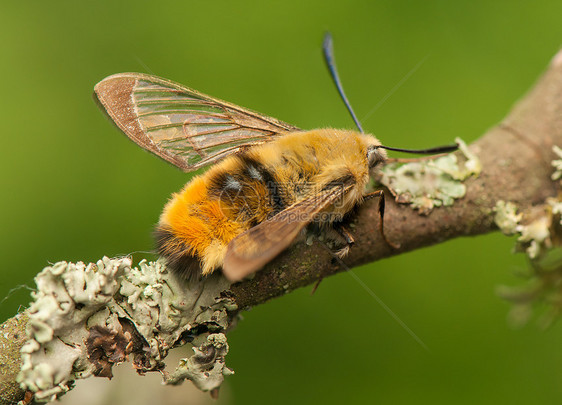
[346,235]
[349,240]
[380,195]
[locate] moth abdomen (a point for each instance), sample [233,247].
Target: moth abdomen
[199,222]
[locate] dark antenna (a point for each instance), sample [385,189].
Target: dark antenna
[328,50]
[430,151]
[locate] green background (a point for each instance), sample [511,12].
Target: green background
[73,188]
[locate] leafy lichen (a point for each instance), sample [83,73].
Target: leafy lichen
[426,184]
[85,318]
[557,163]
[536,236]
[206,367]
[506,217]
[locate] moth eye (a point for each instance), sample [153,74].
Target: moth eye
[374,157]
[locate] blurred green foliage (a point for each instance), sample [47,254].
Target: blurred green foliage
[73,188]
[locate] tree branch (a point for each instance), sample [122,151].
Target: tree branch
[516,159]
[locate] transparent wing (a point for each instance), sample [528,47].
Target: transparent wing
[181,125]
[253,249]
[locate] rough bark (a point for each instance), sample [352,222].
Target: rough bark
[12,338]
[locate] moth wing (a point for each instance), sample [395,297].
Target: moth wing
[253,249]
[187,128]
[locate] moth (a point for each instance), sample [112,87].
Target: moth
[269,180]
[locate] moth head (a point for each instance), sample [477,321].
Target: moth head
[376,156]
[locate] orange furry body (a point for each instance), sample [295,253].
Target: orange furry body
[246,189]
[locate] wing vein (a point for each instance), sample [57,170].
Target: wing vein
[151,110]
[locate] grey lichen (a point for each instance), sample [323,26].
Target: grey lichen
[426,184]
[206,367]
[67,295]
[540,233]
[506,217]
[85,318]
[534,237]
[557,164]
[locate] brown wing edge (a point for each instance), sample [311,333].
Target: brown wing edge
[114,95]
[178,86]
[236,267]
